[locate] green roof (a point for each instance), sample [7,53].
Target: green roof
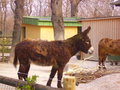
[46,21]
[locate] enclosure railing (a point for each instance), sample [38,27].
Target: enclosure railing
[18,83]
[5,47]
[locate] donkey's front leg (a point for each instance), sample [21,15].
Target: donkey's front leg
[59,76]
[52,74]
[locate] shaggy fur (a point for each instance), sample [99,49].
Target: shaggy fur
[55,53]
[108,47]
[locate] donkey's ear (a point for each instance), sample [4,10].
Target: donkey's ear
[87,31]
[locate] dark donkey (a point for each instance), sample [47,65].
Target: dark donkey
[107,47]
[55,53]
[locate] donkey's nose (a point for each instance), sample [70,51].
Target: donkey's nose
[91,50]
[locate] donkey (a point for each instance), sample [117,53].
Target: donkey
[50,53]
[107,47]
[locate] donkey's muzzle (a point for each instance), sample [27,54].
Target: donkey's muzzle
[91,50]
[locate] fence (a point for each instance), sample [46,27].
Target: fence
[18,83]
[5,47]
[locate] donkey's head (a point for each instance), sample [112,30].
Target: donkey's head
[84,42]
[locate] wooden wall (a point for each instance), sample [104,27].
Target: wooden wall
[102,28]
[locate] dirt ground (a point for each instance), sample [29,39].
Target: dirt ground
[88,76]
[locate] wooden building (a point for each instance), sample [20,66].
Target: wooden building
[116,3]
[105,27]
[41,28]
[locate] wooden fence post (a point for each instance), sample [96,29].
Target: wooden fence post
[69,82]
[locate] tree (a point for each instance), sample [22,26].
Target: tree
[18,15]
[3,14]
[57,19]
[96,8]
[28,7]
[49,8]
[74,11]
[74,7]
[12,5]
[19,11]
[66,8]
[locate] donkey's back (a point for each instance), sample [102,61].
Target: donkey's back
[41,52]
[110,46]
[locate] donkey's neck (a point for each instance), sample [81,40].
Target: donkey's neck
[71,44]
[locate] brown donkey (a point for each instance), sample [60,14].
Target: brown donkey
[108,47]
[55,53]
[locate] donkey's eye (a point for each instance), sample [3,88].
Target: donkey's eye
[83,40]
[87,42]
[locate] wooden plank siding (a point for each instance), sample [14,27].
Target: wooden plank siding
[101,28]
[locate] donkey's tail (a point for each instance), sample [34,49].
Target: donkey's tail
[15,60]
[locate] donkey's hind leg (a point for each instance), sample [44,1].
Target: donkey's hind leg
[102,59]
[60,75]
[103,62]
[52,74]
[23,71]
[100,62]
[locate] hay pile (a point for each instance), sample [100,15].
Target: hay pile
[87,75]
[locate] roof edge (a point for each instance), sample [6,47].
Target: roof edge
[66,19]
[99,18]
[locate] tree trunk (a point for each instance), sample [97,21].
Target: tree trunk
[74,11]
[74,7]
[57,19]
[19,11]
[18,21]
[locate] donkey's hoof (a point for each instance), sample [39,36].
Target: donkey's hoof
[48,84]
[99,68]
[104,68]
[77,83]
[59,86]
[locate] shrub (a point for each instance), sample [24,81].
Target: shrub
[30,80]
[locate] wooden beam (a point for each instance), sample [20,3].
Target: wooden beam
[15,83]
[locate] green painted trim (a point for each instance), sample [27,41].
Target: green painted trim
[114,58]
[30,21]
[46,21]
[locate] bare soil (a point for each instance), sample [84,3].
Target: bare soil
[88,77]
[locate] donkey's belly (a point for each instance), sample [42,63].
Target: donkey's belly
[114,51]
[44,62]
